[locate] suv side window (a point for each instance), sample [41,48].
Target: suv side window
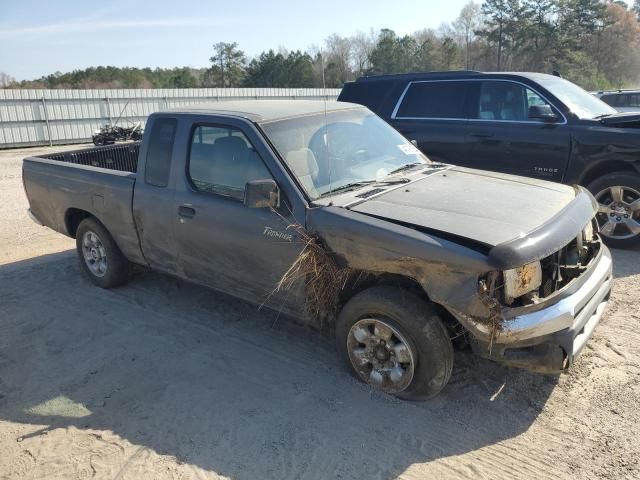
[632,100]
[506,101]
[612,100]
[222,161]
[158,161]
[434,99]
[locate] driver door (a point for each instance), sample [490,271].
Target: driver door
[221,242]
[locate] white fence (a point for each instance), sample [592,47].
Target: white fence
[55,117]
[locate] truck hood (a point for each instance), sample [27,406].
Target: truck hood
[622,119]
[485,207]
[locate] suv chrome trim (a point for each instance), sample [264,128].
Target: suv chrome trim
[406,89]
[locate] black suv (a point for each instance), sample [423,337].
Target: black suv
[528,124]
[621,100]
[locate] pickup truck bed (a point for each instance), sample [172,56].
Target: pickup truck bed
[96,179]
[123,158]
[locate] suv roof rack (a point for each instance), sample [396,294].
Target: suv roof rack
[366,78]
[619,90]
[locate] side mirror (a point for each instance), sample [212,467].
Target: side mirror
[261,194]
[542,112]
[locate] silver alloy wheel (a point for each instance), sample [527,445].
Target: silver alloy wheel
[95,255]
[380,355]
[619,212]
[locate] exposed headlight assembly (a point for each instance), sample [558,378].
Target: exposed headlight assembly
[521,280]
[587,232]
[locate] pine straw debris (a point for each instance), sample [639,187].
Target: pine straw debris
[322,278]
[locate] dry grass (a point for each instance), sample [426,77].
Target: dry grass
[322,278]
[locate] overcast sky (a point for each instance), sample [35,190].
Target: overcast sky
[38,37]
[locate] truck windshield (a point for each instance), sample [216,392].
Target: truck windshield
[580,102]
[328,153]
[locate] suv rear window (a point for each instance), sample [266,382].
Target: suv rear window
[441,99]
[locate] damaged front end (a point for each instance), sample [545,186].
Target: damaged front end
[544,311]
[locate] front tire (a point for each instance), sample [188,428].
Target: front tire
[393,340]
[618,195]
[100,257]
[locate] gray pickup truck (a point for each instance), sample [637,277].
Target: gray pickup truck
[421,255]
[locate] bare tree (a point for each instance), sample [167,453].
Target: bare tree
[6,80]
[337,59]
[362,44]
[465,27]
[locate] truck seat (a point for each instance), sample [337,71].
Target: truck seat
[305,167]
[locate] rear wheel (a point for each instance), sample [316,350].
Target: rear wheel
[100,257]
[393,340]
[618,196]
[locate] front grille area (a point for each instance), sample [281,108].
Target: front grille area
[561,268]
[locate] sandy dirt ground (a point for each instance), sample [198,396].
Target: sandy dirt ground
[163,379]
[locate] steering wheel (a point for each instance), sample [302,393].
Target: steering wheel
[358,156]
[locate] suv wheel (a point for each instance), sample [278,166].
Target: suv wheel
[394,341]
[619,212]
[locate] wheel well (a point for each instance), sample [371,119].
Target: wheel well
[361,280]
[606,168]
[72,219]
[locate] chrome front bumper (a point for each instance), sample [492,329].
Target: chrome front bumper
[563,314]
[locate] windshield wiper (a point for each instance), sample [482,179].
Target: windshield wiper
[604,115]
[405,167]
[353,185]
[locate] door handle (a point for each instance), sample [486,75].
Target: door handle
[186,211]
[482,135]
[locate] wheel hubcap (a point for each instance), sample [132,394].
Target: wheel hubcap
[619,212]
[380,355]
[95,256]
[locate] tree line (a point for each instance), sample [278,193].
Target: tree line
[594,43]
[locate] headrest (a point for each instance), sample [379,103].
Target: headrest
[231,142]
[302,162]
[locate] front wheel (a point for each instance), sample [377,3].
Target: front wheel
[394,341]
[100,257]
[618,196]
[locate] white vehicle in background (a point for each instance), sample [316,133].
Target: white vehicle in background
[621,100]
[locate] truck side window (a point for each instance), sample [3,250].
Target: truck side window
[222,161]
[434,100]
[158,162]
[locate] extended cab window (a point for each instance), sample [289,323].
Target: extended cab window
[510,101]
[443,99]
[222,161]
[158,161]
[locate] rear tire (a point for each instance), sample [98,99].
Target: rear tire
[100,258]
[393,340]
[619,216]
